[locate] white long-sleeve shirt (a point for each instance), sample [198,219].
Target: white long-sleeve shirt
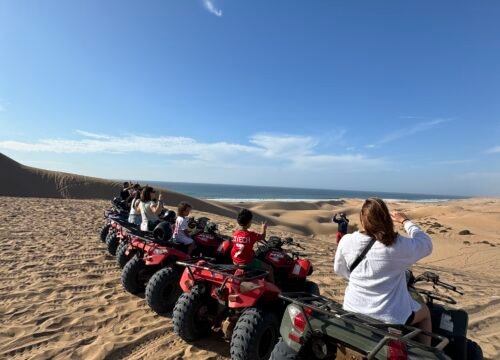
[377,286]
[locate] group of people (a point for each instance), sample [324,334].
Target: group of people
[374,260]
[145,205]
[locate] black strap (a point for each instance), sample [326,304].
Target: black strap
[361,256]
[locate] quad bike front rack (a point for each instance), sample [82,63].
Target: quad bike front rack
[387,332]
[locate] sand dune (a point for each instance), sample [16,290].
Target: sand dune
[61,296]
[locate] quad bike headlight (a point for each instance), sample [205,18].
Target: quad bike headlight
[247,286]
[159,251]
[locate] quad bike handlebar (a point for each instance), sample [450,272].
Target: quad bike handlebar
[433,278]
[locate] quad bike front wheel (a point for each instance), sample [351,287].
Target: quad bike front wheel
[112,242]
[121,257]
[104,232]
[135,275]
[190,316]
[163,290]
[255,335]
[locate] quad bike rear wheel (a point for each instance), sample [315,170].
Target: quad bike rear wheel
[104,232]
[283,352]
[255,335]
[190,314]
[112,243]
[135,275]
[121,258]
[163,290]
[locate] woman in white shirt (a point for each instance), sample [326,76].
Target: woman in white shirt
[377,285]
[150,208]
[134,216]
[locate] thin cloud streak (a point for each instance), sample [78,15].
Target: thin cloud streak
[494,150]
[209,5]
[416,128]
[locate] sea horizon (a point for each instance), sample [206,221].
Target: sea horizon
[255,193]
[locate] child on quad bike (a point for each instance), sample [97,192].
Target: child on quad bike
[181,231]
[343,222]
[134,216]
[242,252]
[378,287]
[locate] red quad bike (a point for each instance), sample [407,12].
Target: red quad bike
[241,303]
[114,213]
[153,268]
[119,246]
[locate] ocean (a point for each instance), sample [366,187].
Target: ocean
[245,193]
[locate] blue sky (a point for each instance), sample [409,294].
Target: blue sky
[364,95]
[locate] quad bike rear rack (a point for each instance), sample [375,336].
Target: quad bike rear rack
[225,270]
[388,332]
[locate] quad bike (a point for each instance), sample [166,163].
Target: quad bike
[241,303]
[152,268]
[115,212]
[209,243]
[119,238]
[315,327]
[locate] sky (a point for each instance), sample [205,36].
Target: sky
[400,96]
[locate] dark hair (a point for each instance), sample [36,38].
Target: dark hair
[125,184]
[377,221]
[146,193]
[183,206]
[244,217]
[137,195]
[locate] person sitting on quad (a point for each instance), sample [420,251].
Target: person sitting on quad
[242,252]
[134,189]
[181,231]
[134,216]
[125,192]
[377,284]
[343,222]
[150,208]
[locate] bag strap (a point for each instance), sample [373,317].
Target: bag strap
[361,256]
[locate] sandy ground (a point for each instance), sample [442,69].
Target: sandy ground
[61,296]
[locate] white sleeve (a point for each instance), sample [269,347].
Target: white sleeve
[340,265]
[418,245]
[184,224]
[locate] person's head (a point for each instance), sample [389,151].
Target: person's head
[377,221]
[245,218]
[184,209]
[126,184]
[148,194]
[137,187]
[342,215]
[137,194]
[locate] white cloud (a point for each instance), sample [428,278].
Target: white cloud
[91,135]
[494,150]
[209,5]
[414,129]
[265,149]
[284,145]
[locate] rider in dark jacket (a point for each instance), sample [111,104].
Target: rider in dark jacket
[343,222]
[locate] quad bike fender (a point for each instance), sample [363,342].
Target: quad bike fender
[248,294]
[159,255]
[301,269]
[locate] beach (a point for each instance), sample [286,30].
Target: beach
[61,295]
